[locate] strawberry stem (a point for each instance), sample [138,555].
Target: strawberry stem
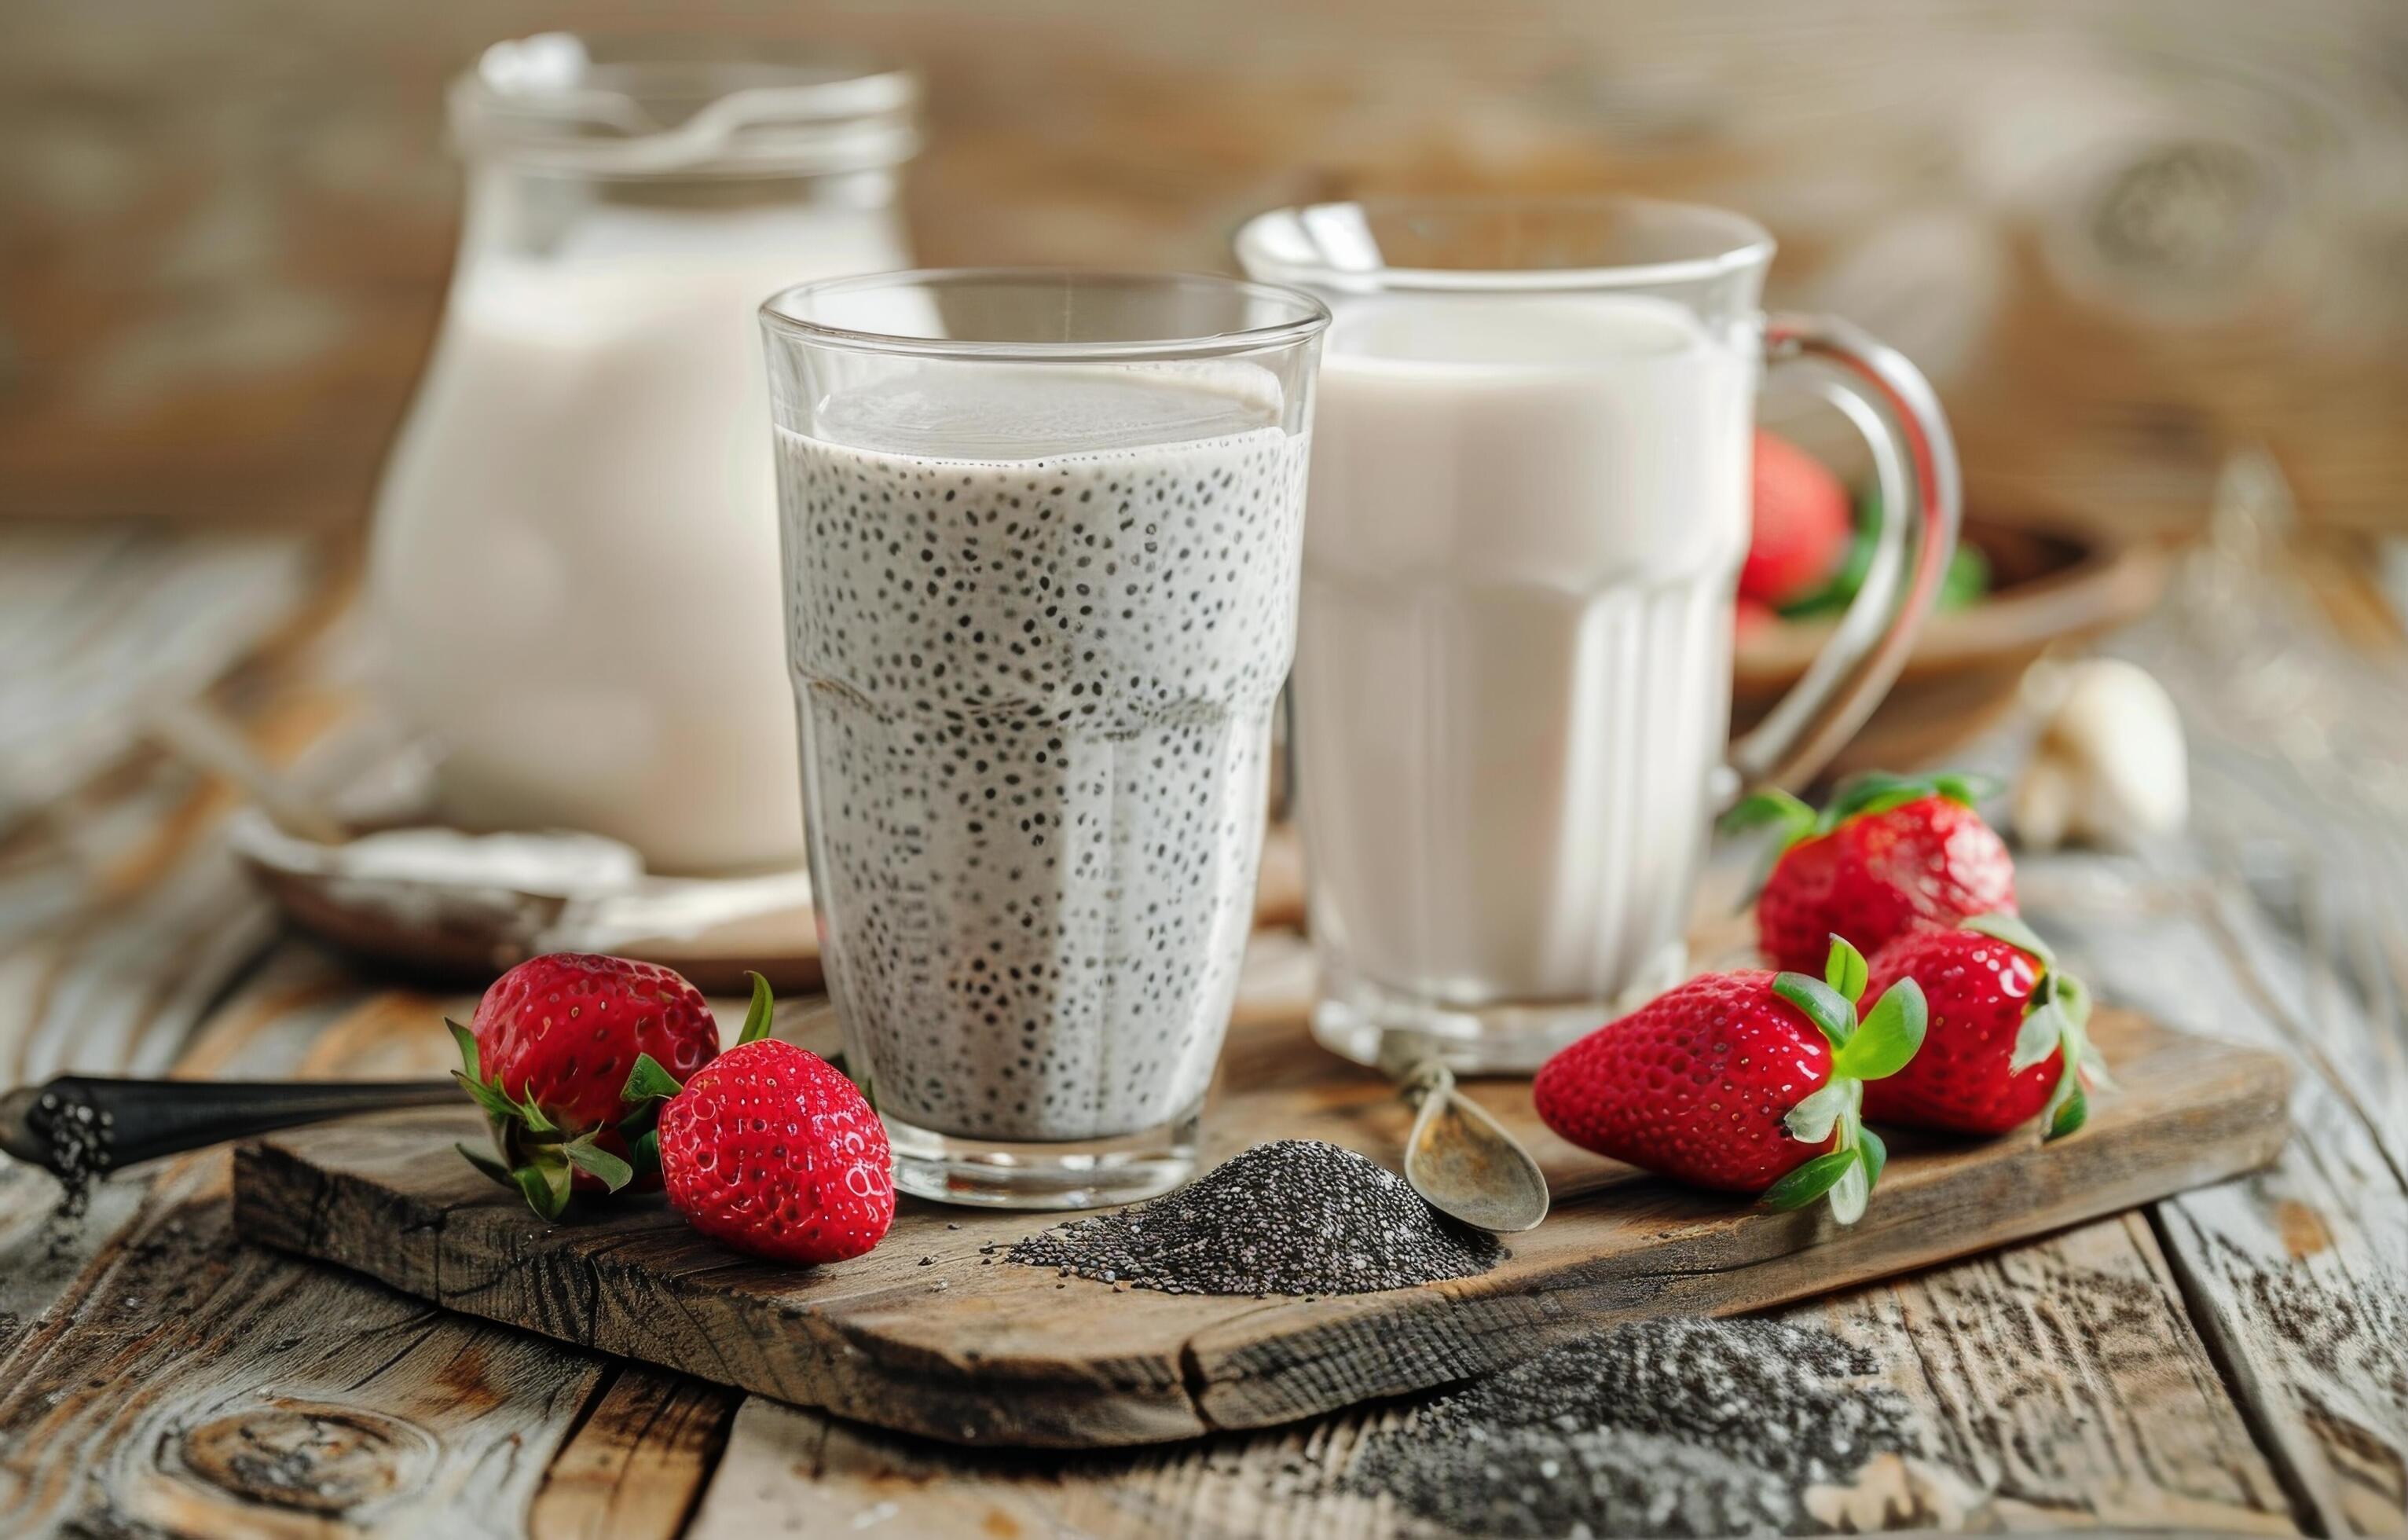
[648,1083]
[2057,1020]
[1829,1011]
[1845,971]
[597,1163]
[466,1040]
[1809,1181]
[1846,1170]
[1830,1001]
[1890,1035]
[1790,819]
[1855,1186]
[2069,1102]
[486,1163]
[2011,929]
[499,1110]
[757,1015]
[1772,807]
[1878,791]
[644,1152]
[545,1181]
[1794,822]
[1876,1154]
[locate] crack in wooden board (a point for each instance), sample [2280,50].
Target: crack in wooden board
[976,1351]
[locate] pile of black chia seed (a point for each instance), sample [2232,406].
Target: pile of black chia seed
[1672,1427]
[1293,1217]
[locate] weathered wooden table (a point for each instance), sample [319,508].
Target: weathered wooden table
[2236,1359]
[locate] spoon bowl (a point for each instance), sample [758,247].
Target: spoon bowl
[1463,1162]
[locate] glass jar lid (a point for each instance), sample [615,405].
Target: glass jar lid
[663,105]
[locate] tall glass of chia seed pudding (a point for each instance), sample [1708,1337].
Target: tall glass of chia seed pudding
[1041,543]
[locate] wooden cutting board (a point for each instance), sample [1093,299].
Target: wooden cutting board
[926,1336]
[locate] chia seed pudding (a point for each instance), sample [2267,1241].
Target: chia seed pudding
[1036,692]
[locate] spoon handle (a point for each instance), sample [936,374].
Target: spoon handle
[1426,1082]
[82,1125]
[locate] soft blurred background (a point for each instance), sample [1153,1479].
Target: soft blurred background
[2124,238]
[2150,252]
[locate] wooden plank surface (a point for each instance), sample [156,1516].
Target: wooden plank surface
[123,924]
[2298,1277]
[101,627]
[191,1383]
[929,1335]
[158,1375]
[2283,921]
[635,1466]
[2051,1385]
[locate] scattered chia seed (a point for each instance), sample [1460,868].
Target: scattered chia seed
[80,1140]
[1673,1426]
[1293,1217]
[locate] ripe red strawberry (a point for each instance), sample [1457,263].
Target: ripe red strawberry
[773,1151]
[1890,852]
[2007,1038]
[547,1056]
[1802,525]
[1749,1082]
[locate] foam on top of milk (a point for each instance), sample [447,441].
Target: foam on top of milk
[1001,413]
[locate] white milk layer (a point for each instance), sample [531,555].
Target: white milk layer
[575,573]
[1514,664]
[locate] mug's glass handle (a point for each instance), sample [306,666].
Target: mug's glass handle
[1915,463]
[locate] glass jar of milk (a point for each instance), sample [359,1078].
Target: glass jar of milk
[575,573]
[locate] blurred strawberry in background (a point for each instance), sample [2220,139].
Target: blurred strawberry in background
[1812,545]
[1802,525]
[1752,614]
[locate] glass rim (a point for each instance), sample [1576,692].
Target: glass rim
[1744,244]
[1311,317]
[589,102]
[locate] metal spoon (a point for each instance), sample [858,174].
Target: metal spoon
[1459,1158]
[198,733]
[79,1126]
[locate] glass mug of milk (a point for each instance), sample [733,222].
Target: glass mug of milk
[1529,501]
[1042,537]
[574,568]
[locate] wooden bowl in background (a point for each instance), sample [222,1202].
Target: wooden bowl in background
[2055,580]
